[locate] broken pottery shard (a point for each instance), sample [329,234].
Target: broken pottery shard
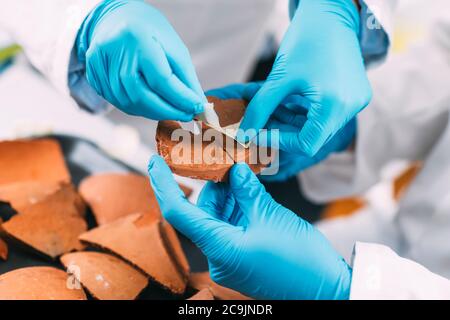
[187,157]
[50,226]
[3,250]
[114,195]
[258,158]
[204,294]
[22,194]
[139,239]
[38,283]
[105,276]
[174,248]
[202,280]
[25,160]
[230,111]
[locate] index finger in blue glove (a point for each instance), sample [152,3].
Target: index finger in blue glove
[159,76]
[150,105]
[136,98]
[316,131]
[201,227]
[263,104]
[183,68]
[280,135]
[287,116]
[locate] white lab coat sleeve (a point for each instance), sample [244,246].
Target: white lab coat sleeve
[46,29]
[379,273]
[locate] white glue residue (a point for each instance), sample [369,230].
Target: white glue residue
[210,117]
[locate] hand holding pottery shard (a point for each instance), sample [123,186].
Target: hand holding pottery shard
[211,154]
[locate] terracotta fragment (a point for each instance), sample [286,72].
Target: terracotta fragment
[51,226]
[38,283]
[202,280]
[186,157]
[112,196]
[174,248]
[204,294]
[38,160]
[138,238]
[22,194]
[105,276]
[255,156]
[201,163]
[3,250]
[230,111]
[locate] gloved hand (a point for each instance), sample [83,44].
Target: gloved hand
[319,59]
[136,61]
[253,244]
[288,118]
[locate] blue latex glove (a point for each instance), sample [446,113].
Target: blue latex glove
[136,61]
[253,244]
[319,59]
[288,118]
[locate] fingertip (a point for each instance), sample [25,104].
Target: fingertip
[240,173]
[200,107]
[184,117]
[153,161]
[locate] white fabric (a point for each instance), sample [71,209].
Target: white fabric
[47,30]
[379,273]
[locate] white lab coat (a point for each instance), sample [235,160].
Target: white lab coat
[47,30]
[408,119]
[223,36]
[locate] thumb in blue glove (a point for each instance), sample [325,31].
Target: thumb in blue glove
[319,59]
[253,244]
[136,61]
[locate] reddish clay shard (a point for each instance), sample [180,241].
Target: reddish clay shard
[209,160]
[139,239]
[105,276]
[3,250]
[187,158]
[39,160]
[202,280]
[52,225]
[22,194]
[38,283]
[114,195]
